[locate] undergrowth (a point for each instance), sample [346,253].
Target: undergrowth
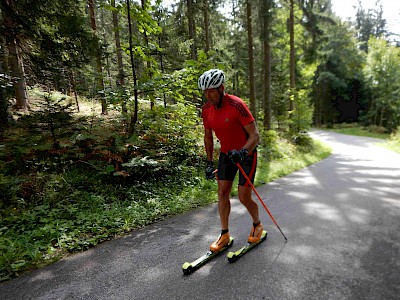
[359,130]
[394,141]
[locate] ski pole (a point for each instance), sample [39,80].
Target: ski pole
[259,198]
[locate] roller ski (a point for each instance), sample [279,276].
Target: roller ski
[234,256]
[222,243]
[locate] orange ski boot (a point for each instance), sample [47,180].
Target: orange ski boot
[221,242]
[255,234]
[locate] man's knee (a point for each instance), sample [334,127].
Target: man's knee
[224,194]
[246,200]
[224,189]
[244,194]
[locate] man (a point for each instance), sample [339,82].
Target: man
[232,122]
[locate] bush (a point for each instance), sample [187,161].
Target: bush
[303,140]
[269,140]
[377,129]
[395,136]
[52,117]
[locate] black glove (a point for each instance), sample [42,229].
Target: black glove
[210,170]
[237,156]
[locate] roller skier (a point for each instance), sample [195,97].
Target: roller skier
[233,124]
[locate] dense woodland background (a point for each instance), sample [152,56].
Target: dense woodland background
[100,110]
[295,61]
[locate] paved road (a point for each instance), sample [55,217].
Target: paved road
[341,217]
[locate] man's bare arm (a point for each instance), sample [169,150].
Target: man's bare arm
[254,136]
[209,143]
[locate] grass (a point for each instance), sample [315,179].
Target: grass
[36,235]
[298,159]
[357,130]
[390,141]
[393,145]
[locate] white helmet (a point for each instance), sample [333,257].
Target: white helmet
[211,79]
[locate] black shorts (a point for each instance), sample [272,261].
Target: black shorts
[227,169]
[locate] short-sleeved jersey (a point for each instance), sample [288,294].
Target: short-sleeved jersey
[228,122]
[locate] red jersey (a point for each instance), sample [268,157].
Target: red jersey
[228,122]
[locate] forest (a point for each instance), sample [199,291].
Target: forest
[100,113]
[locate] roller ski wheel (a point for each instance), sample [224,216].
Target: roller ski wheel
[234,256]
[188,268]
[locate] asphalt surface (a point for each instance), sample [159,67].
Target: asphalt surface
[341,217]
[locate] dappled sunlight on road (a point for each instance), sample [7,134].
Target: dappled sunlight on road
[335,214]
[299,195]
[357,214]
[391,203]
[45,275]
[238,208]
[306,179]
[206,270]
[360,190]
[153,273]
[323,211]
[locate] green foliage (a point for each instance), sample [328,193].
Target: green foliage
[394,141]
[180,86]
[144,19]
[382,73]
[270,139]
[359,130]
[370,23]
[277,146]
[52,116]
[35,235]
[339,69]
[302,115]
[289,156]
[60,40]
[5,89]
[98,184]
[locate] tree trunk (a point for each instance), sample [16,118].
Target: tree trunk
[235,81]
[120,65]
[73,82]
[15,62]
[3,109]
[251,59]
[99,68]
[160,55]
[318,106]
[16,66]
[107,57]
[206,26]
[382,116]
[4,115]
[148,63]
[134,117]
[292,58]
[192,35]
[265,7]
